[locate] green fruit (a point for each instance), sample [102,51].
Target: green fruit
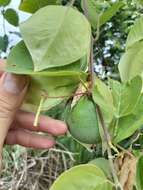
[83,122]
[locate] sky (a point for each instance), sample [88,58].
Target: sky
[23,16]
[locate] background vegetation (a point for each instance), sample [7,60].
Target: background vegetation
[36,169]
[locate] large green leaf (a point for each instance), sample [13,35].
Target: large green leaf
[131,63]
[85,177]
[129,124]
[11,16]
[54,82]
[56,36]
[99,11]
[103,164]
[139,174]
[125,95]
[103,97]
[136,33]
[31,6]
[4,2]
[20,62]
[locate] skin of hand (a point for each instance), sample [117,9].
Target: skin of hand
[16,127]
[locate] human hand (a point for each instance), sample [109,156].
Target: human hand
[16,127]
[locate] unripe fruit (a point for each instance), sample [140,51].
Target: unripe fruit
[83,123]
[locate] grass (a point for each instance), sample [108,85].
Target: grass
[28,169]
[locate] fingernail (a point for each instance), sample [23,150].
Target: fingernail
[14,83]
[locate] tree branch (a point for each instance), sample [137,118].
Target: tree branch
[110,156]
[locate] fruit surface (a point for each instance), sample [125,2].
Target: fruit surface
[83,122]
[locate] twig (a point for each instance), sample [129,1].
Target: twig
[110,156]
[85,9]
[98,30]
[62,97]
[91,66]
[124,150]
[71,3]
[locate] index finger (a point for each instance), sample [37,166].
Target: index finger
[46,124]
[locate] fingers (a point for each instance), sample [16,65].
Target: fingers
[28,139]
[2,66]
[46,124]
[12,92]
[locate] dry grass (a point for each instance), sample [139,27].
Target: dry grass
[33,170]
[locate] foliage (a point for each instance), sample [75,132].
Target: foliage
[4,2]
[59,54]
[12,17]
[31,6]
[80,175]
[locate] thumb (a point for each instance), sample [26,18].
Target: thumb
[12,92]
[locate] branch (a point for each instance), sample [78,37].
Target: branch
[91,66]
[110,156]
[85,9]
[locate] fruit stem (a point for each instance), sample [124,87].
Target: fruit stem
[91,61]
[110,156]
[36,121]
[114,148]
[84,85]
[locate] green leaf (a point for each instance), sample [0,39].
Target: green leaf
[118,105]
[59,36]
[110,12]
[139,174]
[103,164]
[85,177]
[136,33]
[31,6]
[19,61]
[124,96]
[11,16]
[100,12]
[94,9]
[4,43]
[55,88]
[131,63]
[139,2]
[103,97]
[55,82]
[4,2]
[129,124]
